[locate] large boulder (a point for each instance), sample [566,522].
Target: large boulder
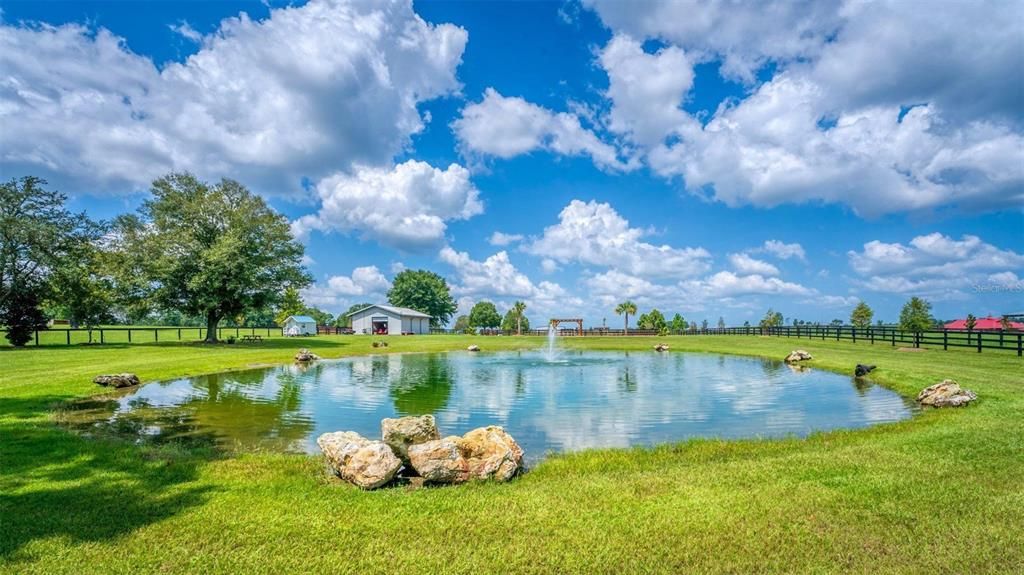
[440,460]
[491,453]
[305,356]
[117,380]
[400,433]
[948,393]
[365,463]
[797,355]
[483,453]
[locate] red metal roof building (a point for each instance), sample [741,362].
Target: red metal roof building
[984,324]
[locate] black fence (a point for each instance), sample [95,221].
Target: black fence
[72,336]
[1007,340]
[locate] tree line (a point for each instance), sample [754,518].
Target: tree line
[193,253]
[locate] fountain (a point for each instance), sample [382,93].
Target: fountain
[552,334]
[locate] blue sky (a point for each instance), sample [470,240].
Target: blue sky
[694,157]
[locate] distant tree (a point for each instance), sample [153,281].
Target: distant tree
[678,324]
[626,308]
[322,317]
[216,251]
[516,322]
[291,304]
[462,324]
[484,314]
[861,315]
[837,322]
[22,315]
[654,320]
[879,323]
[916,315]
[424,291]
[38,236]
[746,324]
[721,322]
[970,322]
[772,319]
[518,309]
[82,292]
[1004,323]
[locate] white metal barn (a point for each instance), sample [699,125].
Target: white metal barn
[299,325]
[386,319]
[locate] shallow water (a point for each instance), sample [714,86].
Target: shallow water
[571,401]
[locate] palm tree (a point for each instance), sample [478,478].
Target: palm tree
[518,308]
[626,308]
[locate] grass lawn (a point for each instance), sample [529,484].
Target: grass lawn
[940,493]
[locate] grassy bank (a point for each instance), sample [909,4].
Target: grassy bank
[943,492]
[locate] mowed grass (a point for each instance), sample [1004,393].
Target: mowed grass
[941,493]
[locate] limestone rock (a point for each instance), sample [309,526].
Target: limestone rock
[491,453]
[797,355]
[306,355]
[365,463]
[440,460]
[861,370]
[117,380]
[483,453]
[948,393]
[661,347]
[403,432]
[473,348]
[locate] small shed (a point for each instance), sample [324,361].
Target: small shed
[299,325]
[389,320]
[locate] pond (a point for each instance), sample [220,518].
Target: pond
[575,400]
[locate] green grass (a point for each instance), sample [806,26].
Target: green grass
[940,493]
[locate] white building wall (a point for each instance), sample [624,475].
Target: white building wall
[362,321]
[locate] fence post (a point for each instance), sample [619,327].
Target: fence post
[893,334]
[68,332]
[156,337]
[871,333]
[179,334]
[1020,347]
[945,340]
[101,335]
[1001,338]
[979,342]
[37,337]
[853,331]
[129,335]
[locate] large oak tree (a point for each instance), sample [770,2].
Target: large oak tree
[214,251]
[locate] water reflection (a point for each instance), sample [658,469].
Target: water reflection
[577,400]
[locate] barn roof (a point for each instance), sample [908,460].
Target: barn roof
[983,323]
[401,311]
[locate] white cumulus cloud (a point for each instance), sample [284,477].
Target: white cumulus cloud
[932,264]
[505,127]
[746,264]
[307,91]
[406,207]
[365,283]
[594,233]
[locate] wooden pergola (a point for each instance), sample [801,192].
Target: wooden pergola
[577,321]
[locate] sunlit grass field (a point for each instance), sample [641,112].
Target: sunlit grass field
[940,493]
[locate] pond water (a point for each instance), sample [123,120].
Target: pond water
[571,401]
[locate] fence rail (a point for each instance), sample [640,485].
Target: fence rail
[104,335]
[1007,340]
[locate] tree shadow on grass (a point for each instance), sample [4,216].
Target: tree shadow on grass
[57,484]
